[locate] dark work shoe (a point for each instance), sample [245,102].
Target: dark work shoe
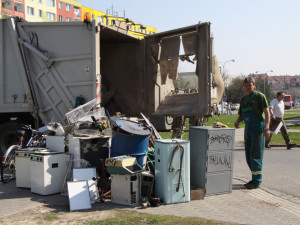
[290,145]
[251,185]
[267,146]
[248,183]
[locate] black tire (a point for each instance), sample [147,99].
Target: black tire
[9,135]
[8,168]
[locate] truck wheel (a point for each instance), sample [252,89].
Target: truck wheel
[8,135]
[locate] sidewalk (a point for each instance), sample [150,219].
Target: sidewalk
[258,206]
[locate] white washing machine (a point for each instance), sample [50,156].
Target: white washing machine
[48,171]
[23,166]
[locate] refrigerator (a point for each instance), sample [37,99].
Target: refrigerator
[172,170]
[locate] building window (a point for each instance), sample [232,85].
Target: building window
[60,5]
[40,1]
[60,18]
[50,16]
[30,10]
[76,11]
[68,7]
[40,13]
[50,2]
[68,19]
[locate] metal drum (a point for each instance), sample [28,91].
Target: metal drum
[130,138]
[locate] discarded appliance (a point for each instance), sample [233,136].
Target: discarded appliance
[88,174]
[212,159]
[126,189]
[52,128]
[55,143]
[79,195]
[48,171]
[130,138]
[172,170]
[23,166]
[122,165]
[147,184]
[91,149]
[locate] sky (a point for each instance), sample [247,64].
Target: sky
[260,35]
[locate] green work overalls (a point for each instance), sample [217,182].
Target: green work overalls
[254,140]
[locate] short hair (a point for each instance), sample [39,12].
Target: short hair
[280,93]
[249,80]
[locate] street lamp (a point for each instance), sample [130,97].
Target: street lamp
[224,79]
[265,79]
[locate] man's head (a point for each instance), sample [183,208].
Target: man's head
[249,85]
[280,96]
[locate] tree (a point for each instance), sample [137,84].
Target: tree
[265,88]
[182,83]
[235,91]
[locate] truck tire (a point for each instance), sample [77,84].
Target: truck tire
[9,135]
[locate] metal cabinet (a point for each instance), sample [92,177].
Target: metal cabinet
[212,159]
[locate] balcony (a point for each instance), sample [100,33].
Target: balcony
[19,6]
[7,4]
[13,8]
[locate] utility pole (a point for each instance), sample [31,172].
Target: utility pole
[224,79]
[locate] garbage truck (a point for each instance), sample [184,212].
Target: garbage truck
[46,68]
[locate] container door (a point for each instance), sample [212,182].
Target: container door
[63,62]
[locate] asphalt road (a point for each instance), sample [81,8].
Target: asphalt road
[281,169]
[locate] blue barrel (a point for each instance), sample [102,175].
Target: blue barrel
[130,142]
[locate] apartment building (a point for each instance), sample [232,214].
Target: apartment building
[40,10]
[9,8]
[286,83]
[68,10]
[131,27]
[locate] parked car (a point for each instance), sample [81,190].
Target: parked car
[235,106]
[218,110]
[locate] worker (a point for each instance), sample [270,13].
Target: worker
[277,112]
[253,105]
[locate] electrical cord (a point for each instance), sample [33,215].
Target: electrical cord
[171,169]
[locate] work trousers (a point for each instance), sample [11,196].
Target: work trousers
[254,149]
[283,130]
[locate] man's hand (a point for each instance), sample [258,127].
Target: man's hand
[267,133]
[237,122]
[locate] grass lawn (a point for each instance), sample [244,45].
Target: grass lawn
[124,218]
[229,120]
